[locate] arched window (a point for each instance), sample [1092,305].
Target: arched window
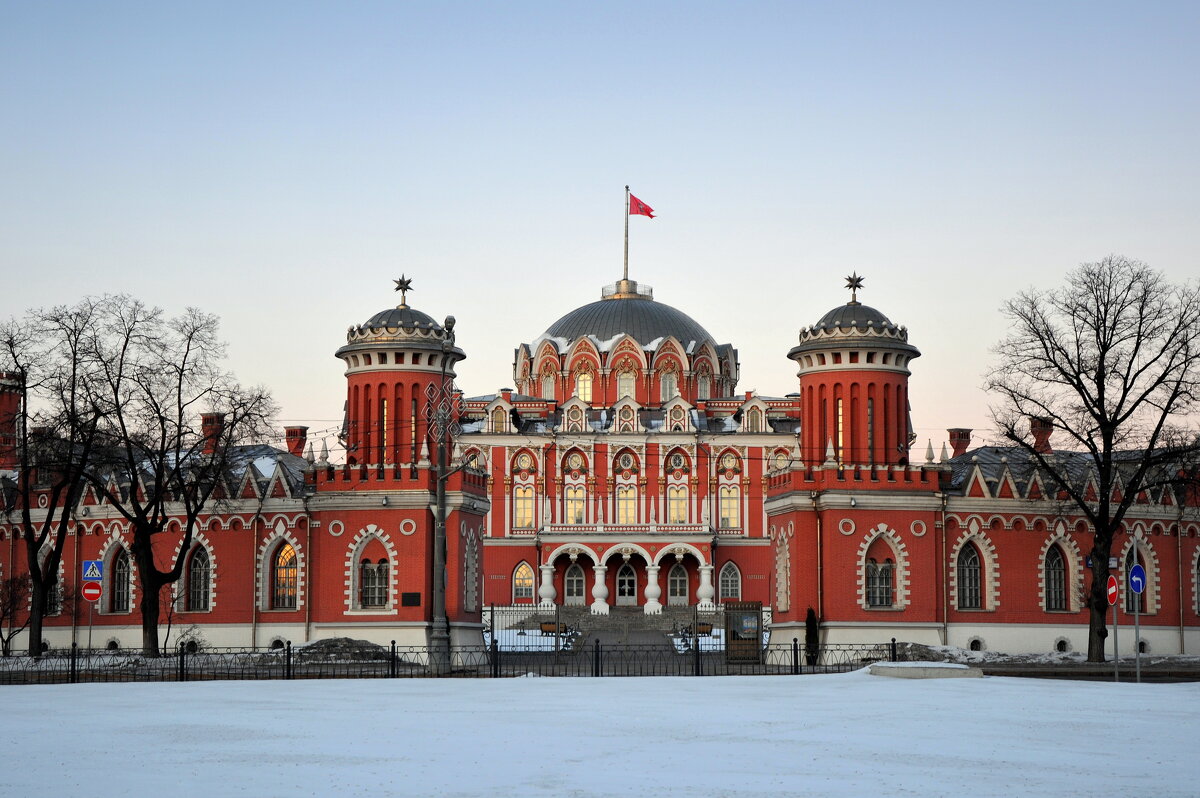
[119,598]
[199,580]
[703,386]
[677,586]
[626,384]
[626,504]
[523,584]
[626,586]
[1134,602]
[1056,580]
[548,385]
[284,578]
[677,504]
[730,510]
[573,585]
[574,504]
[583,387]
[730,583]
[373,583]
[499,420]
[754,421]
[880,583]
[523,507]
[969,595]
[668,386]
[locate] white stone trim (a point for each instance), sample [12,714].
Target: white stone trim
[989,564]
[902,588]
[116,538]
[266,561]
[1073,559]
[1152,570]
[178,597]
[351,571]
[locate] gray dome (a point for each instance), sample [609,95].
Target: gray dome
[401,317]
[644,319]
[853,314]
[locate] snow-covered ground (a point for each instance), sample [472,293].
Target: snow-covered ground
[844,734]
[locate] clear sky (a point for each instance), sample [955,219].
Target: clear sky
[280,163]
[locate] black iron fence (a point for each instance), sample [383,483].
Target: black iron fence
[358,660]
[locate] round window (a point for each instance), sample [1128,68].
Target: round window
[524,461]
[575,461]
[626,460]
[729,460]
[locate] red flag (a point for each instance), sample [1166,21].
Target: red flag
[639,208]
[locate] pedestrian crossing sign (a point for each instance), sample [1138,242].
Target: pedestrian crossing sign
[93,570]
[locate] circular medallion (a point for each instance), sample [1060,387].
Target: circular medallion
[729,461]
[336,528]
[408,526]
[846,526]
[575,461]
[524,461]
[917,528]
[781,460]
[626,461]
[677,461]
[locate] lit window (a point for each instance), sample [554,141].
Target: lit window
[120,596]
[626,505]
[499,420]
[677,586]
[677,505]
[1056,580]
[730,582]
[969,596]
[880,584]
[373,583]
[583,387]
[523,584]
[573,585]
[575,504]
[285,579]
[730,511]
[523,508]
[199,577]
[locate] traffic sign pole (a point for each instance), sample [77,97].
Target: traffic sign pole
[1137,583]
[1113,594]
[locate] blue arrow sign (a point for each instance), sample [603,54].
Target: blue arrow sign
[1137,578]
[93,570]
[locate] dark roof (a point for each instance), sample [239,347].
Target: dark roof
[853,314]
[644,319]
[401,317]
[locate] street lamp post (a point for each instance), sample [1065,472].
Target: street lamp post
[439,634]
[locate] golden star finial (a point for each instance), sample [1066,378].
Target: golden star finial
[854,282]
[403,285]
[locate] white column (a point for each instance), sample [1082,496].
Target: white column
[653,591]
[705,592]
[546,591]
[599,591]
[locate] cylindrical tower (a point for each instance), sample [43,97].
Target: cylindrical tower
[854,387]
[398,362]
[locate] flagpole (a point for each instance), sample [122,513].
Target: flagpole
[626,273]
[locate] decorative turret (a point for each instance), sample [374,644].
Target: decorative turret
[854,385]
[398,363]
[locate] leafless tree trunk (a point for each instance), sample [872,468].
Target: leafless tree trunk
[14,593]
[1111,361]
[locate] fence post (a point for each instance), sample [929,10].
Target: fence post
[495,659]
[392,662]
[795,655]
[182,661]
[74,662]
[287,662]
[596,657]
[696,655]
[894,650]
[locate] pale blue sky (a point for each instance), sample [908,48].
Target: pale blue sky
[280,163]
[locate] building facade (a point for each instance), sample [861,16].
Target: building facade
[625,475]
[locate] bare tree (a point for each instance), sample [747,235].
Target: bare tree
[52,433]
[1111,362]
[14,595]
[170,424]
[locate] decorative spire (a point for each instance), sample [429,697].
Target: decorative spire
[403,285]
[854,283]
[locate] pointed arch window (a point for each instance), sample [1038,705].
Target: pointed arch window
[574,504]
[573,585]
[523,584]
[1056,580]
[583,387]
[548,385]
[880,583]
[677,504]
[523,507]
[704,386]
[730,583]
[199,581]
[626,384]
[969,594]
[499,420]
[668,386]
[285,578]
[1134,602]
[677,586]
[119,599]
[373,580]
[626,586]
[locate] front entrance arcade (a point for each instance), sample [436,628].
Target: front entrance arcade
[627,575]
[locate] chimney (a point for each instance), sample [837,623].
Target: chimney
[296,437]
[960,439]
[211,427]
[10,410]
[1041,429]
